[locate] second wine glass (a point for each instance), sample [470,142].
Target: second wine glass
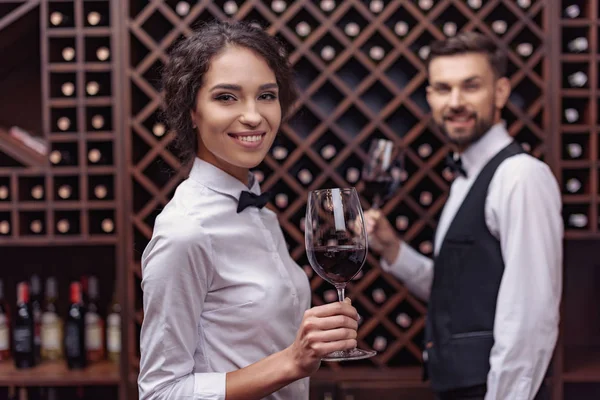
[336,245]
[382,172]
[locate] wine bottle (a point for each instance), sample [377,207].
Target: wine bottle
[113,330]
[499,26]
[524,3]
[402,222]
[474,4]
[377,53]
[4,227]
[577,79]
[67,89]
[573,11]
[578,45]
[37,192]
[278,6]
[376,6]
[92,88]
[571,115]
[58,157]
[327,5]
[425,4]
[230,7]
[36,310]
[403,320]
[159,129]
[52,326]
[97,122]
[352,29]
[23,330]
[303,29]
[57,18]
[68,53]
[577,220]
[379,295]
[352,174]
[449,29]
[573,185]
[36,226]
[63,225]
[424,52]
[328,151]
[75,351]
[63,123]
[305,176]
[100,191]
[380,343]
[280,153]
[4,326]
[102,53]
[524,49]
[65,191]
[575,150]
[95,18]
[94,156]
[94,325]
[401,28]
[281,200]
[4,192]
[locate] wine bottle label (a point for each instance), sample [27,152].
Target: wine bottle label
[72,340]
[50,332]
[93,332]
[4,342]
[114,339]
[22,339]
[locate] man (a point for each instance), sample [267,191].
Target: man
[494,285]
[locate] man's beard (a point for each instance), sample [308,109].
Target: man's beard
[482,125]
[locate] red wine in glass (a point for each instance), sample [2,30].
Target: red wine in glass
[336,245]
[338,264]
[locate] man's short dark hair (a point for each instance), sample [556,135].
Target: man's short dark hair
[471,42]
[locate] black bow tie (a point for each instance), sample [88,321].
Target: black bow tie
[250,199]
[455,165]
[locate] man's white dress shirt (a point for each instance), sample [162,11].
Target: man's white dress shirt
[523,210]
[220,291]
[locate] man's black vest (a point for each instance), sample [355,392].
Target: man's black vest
[467,275]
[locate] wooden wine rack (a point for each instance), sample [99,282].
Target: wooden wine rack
[355,86]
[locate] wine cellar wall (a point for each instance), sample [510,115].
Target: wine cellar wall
[88,166]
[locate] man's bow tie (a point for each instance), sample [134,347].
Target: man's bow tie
[455,165]
[250,199]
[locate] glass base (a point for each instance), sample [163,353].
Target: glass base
[347,355]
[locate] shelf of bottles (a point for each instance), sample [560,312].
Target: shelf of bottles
[360,67]
[579,132]
[60,336]
[72,197]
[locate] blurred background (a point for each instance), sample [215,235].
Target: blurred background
[85,166]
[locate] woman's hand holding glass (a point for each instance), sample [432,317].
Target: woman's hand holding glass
[324,329]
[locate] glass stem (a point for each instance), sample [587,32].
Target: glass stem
[341,290]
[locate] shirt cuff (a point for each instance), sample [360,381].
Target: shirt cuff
[209,386]
[407,257]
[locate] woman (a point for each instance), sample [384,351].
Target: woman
[225,307]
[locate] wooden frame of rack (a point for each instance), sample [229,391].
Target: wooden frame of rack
[26,166]
[346,100]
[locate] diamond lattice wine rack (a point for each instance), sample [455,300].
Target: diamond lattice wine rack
[359,67]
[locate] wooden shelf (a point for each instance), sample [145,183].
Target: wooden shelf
[582,364]
[57,374]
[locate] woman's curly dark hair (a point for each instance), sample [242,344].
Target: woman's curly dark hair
[190,59]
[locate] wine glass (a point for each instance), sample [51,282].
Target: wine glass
[382,172]
[336,245]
